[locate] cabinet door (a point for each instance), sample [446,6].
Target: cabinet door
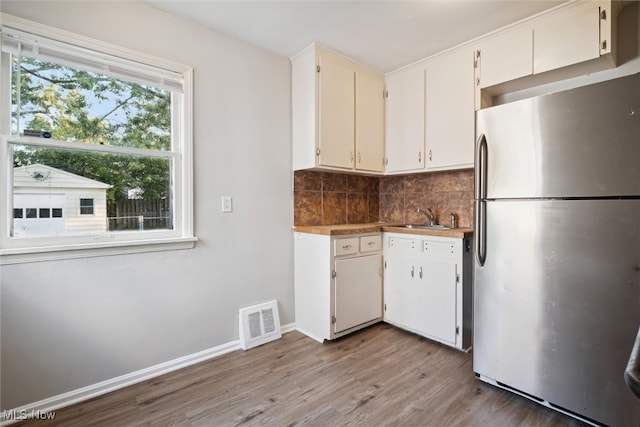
[369,122]
[435,299]
[450,111]
[358,291]
[397,289]
[567,37]
[405,120]
[336,127]
[506,57]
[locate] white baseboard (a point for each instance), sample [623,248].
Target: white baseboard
[43,407]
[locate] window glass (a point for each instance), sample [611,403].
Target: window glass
[17,213]
[44,213]
[86,206]
[70,104]
[31,212]
[131,192]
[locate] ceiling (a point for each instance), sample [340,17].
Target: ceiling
[384,35]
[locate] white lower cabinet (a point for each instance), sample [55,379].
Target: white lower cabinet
[338,283]
[357,291]
[427,286]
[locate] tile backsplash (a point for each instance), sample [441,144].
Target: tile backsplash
[442,192]
[324,198]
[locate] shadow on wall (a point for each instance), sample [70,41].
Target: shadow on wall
[323,198]
[629,31]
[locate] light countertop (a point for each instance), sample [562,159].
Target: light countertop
[340,229]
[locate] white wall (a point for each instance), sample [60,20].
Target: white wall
[74,323]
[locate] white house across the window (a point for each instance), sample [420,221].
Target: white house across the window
[112,120]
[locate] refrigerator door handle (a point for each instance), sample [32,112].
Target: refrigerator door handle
[481,168]
[632,373]
[481,230]
[480,195]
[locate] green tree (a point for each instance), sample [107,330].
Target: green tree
[77,105]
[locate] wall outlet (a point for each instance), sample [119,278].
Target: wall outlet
[226,204]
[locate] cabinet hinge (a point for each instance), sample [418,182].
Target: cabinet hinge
[317,68]
[385,94]
[476,57]
[333,274]
[603,15]
[318,151]
[385,265]
[385,307]
[457,278]
[457,330]
[603,44]
[333,319]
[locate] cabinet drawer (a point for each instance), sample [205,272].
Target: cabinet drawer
[370,243]
[347,246]
[403,243]
[439,249]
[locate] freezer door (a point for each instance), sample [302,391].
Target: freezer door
[557,303]
[578,143]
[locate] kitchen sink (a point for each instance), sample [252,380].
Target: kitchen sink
[426,227]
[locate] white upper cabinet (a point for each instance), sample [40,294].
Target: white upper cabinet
[343,122]
[566,36]
[405,133]
[369,122]
[505,56]
[338,113]
[570,36]
[450,125]
[336,105]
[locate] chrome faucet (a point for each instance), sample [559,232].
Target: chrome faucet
[429,214]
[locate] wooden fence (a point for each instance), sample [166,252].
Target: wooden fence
[137,214]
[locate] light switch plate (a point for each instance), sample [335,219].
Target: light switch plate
[226,204]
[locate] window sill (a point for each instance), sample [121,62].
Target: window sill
[62,252]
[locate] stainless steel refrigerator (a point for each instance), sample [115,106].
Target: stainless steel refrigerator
[557,269]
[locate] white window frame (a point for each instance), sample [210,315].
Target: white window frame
[31,249]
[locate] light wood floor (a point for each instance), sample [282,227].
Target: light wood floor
[380,376]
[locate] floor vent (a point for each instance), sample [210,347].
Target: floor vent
[259,324]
